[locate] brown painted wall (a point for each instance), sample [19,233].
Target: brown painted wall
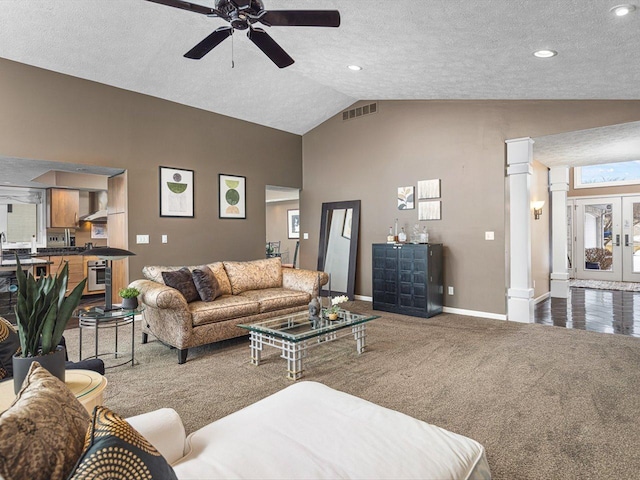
[460,142]
[50,116]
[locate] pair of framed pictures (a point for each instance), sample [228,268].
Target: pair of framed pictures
[177,194]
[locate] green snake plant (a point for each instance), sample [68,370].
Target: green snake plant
[43,309]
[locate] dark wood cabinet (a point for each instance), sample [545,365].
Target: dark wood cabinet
[407,279]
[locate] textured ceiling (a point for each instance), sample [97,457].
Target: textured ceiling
[616,143]
[409,49]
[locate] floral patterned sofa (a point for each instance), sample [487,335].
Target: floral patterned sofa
[249,292]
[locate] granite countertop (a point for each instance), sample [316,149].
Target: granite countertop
[25,262]
[43,252]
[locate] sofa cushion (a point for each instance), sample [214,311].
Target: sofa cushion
[272,299]
[114,449]
[9,345]
[206,284]
[254,275]
[42,433]
[221,275]
[224,308]
[182,281]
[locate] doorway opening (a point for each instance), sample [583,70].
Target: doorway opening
[283,224]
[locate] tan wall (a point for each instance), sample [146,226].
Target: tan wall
[277,227]
[540,231]
[460,142]
[49,116]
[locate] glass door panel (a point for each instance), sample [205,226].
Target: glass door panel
[598,239]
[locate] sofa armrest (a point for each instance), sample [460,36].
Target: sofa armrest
[303,280]
[157,295]
[164,430]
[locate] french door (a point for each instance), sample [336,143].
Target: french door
[608,238]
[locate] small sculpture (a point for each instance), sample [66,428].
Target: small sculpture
[314,313]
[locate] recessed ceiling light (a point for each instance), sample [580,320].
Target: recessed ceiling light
[545,53]
[622,10]
[355,68]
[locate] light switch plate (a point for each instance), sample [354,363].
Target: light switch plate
[305,236]
[164,239]
[489,236]
[142,239]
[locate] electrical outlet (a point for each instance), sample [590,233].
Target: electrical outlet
[142,239]
[164,239]
[489,236]
[450,290]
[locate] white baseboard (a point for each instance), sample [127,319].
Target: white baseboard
[542,298]
[474,313]
[458,311]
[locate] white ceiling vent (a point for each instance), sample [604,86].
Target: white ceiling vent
[360,111]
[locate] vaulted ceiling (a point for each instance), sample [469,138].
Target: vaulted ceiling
[408,49]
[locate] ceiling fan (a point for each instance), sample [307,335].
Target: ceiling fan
[242,14]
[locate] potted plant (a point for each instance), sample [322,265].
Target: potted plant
[332,311]
[129,298]
[42,312]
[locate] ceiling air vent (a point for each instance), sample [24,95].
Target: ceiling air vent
[360,111]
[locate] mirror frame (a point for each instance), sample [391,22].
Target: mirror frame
[353,247]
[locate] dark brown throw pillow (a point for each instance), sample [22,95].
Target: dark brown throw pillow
[206,284]
[182,281]
[9,346]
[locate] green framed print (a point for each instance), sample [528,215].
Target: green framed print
[232,196]
[176,192]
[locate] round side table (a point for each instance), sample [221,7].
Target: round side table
[86,385]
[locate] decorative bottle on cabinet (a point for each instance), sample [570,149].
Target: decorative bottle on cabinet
[407,279]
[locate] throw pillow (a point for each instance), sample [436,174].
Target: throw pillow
[182,281]
[42,433]
[206,284]
[114,450]
[9,346]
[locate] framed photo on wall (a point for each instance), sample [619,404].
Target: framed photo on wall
[98,230]
[293,223]
[176,192]
[232,196]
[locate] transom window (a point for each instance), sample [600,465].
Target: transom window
[607,174]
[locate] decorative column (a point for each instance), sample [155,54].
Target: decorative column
[519,171]
[559,178]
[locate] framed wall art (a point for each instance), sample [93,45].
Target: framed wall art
[232,196]
[429,210]
[98,230]
[176,192]
[405,198]
[293,223]
[428,189]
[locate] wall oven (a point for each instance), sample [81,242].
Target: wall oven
[96,270]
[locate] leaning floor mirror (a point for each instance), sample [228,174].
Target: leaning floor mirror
[338,249]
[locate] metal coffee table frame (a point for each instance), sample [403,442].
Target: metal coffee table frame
[295,334]
[91,318]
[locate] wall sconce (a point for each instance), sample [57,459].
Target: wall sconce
[537,209]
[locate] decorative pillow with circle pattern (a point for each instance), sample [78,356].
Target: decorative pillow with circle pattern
[113,449]
[9,346]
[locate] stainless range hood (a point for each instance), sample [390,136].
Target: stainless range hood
[97,207]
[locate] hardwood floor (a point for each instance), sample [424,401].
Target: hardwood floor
[606,311]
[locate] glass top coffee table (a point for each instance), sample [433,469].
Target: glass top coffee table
[294,334]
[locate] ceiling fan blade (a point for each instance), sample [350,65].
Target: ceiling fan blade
[270,48]
[209,43]
[301,18]
[192,7]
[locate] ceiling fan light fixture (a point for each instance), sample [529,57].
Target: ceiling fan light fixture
[545,53]
[622,10]
[355,68]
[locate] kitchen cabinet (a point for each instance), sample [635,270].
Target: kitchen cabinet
[64,208]
[76,268]
[407,279]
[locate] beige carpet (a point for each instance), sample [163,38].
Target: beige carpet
[545,402]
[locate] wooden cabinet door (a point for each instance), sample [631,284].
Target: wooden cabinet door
[64,206]
[76,269]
